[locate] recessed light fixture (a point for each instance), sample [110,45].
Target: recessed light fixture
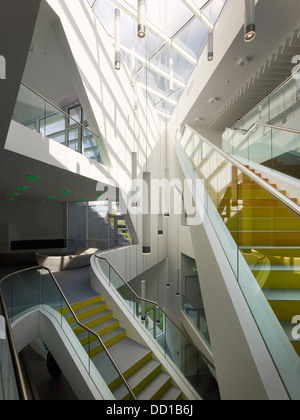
[213,100]
[242,62]
[65,192]
[21,188]
[32,177]
[14,195]
[51,197]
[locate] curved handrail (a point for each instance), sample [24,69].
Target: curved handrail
[286,201]
[153,303]
[75,317]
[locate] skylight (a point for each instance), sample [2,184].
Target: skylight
[176,30]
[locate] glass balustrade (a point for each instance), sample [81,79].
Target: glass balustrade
[269,135]
[198,319]
[38,114]
[8,384]
[279,108]
[261,240]
[272,148]
[192,366]
[36,289]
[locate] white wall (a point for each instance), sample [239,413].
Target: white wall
[103,92]
[44,323]
[108,100]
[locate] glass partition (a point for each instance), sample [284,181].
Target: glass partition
[198,319]
[270,134]
[278,108]
[192,366]
[96,224]
[261,240]
[8,384]
[38,114]
[36,288]
[274,148]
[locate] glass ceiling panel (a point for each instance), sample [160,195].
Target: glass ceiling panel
[175,33]
[193,38]
[166,108]
[212,12]
[153,81]
[168,15]
[176,96]
[200,3]
[182,68]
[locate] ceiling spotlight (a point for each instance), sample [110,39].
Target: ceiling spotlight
[210,46]
[141,18]
[117,40]
[250,30]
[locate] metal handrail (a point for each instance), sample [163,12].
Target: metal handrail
[59,109]
[287,202]
[75,317]
[273,127]
[155,304]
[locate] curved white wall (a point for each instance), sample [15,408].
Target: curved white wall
[63,344]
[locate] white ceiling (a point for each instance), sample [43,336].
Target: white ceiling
[240,87]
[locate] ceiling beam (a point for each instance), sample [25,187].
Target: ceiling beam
[131,11]
[153,67]
[198,13]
